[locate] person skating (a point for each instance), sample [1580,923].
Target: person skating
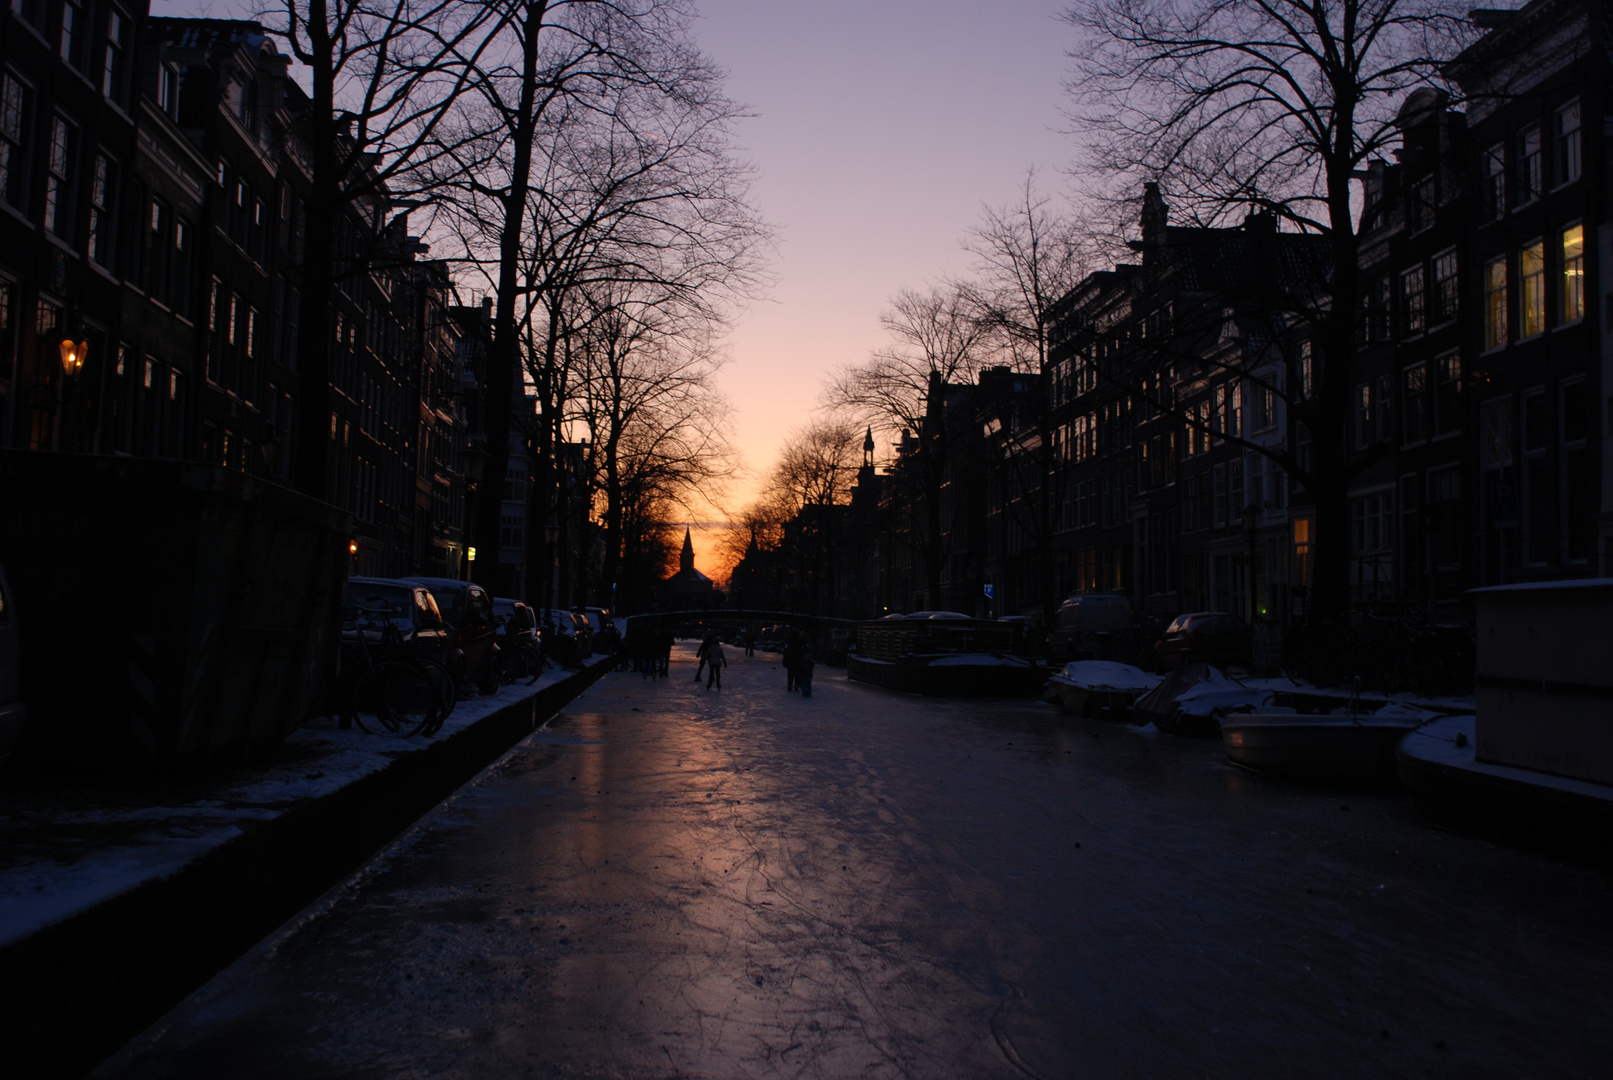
[716,660]
[705,648]
[803,671]
[792,657]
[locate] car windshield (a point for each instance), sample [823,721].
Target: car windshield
[451,602]
[394,600]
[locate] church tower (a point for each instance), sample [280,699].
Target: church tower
[686,557]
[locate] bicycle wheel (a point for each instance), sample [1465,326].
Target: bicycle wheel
[442,683]
[399,695]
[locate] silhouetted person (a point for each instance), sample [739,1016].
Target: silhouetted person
[803,671]
[703,651]
[716,660]
[792,659]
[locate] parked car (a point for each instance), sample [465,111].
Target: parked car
[515,620]
[1086,627]
[13,713]
[1210,636]
[473,633]
[567,637]
[408,607]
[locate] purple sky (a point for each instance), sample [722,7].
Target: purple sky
[882,128]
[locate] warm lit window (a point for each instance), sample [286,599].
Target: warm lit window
[1532,288]
[1495,303]
[1447,290]
[1494,183]
[1573,273]
[1529,166]
[1566,143]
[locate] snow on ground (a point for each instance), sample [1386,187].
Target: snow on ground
[1107,675]
[62,852]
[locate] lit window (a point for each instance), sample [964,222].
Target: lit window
[1532,281]
[1495,303]
[1573,273]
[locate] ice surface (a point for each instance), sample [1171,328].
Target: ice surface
[63,853]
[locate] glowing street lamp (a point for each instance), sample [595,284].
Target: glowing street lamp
[73,356]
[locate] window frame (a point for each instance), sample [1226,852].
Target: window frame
[1567,146]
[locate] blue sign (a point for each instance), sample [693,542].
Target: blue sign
[991,591]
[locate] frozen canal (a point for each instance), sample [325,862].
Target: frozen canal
[671,882]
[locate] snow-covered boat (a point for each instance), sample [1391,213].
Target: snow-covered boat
[1341,747]
[1194,698]
[1094,687]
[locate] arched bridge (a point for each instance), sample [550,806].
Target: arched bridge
[818,626]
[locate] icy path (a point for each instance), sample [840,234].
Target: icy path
[676,882]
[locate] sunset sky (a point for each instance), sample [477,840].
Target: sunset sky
[882,127]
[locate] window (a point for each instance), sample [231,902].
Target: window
[59,178]
[158,261]
[1383,396]
[179,289]
[1363,416]
[1447,289]
[1529,167]
[1420,204]
[1262,408]
[1532,282]
[168,91]
[1448,393]
[31,12]
[1413,313]
[1493,182]
[115,69]
[75,34]
[1307,371]
[1565,143]
[16,108]
[1495,303]
[1382,306]
[1495,442]
[1573,273]
[1414,404]
[103,210]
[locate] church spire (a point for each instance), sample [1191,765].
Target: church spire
[686,558]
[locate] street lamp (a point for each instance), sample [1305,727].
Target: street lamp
[474,459]
[73,356]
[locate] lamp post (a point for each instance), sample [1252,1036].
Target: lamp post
[73,354]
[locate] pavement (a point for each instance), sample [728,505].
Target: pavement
[118,898]
[669,881]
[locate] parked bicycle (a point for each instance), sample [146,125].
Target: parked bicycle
[380,689]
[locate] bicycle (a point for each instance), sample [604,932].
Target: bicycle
[398,694]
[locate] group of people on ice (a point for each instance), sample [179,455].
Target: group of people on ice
[798,662]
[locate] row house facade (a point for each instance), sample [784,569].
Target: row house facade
[1153,365]
[152,193]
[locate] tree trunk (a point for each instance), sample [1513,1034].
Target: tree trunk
[503,351]
[311,469]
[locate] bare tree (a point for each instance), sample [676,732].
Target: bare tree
[658,429]
[387,76]
[812,477]
[938,340]
[1027,257]
[1274,105]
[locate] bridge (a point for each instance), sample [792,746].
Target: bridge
[817,626]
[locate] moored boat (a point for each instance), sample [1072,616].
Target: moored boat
[1098,687]
[944,653]
[1338,748]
